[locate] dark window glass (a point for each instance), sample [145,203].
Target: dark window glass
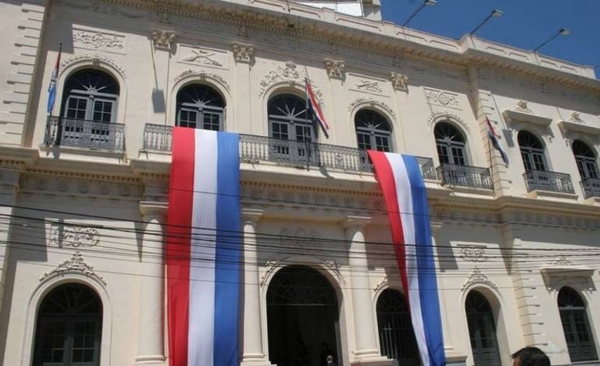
[200,106]
[373,131]
[586,160]
[576,327]
[450,144]
[90,95]
[482,330]
[532,151]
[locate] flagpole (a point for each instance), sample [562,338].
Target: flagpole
[308,138]
[51,135]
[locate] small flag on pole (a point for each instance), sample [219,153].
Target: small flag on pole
[52,87]
[494,139]
[313,105]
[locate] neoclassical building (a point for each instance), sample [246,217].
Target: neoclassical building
[85,188]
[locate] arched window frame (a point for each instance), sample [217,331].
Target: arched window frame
[475,319]
[451,143]
[204,108]
[575,322]
[533,151]
[398,341]
[586,160]
[373,131]
[288,118]
[87,96]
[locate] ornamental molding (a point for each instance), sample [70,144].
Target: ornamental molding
[383,283]
[576,117]
[370,102]
[73,236]
[95,60]
[288,73]
[336,69]
[447,116]
[369,86]
[271,266]
[442,98]
[562,261]
[522,107]
[75,265]
[97,40]
[202,75]
[472,253]
[243,53]
[202,56]
[399,81]
[163,39]
[478,279]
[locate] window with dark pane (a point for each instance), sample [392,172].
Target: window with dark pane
[586,160]
[288,118]
[450,144]
[482,330]
[373,131]
[200,106]
[69,328]
[396,335]
[532,152]
[576,327]
[90,95]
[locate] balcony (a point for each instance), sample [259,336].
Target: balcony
[254,149]
[548,181]
[85,134]
[465,176]
[591,187]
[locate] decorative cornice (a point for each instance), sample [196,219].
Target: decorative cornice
[75,265]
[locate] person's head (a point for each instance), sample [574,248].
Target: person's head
[530,356]
[329,358]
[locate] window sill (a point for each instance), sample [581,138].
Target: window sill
[538,193]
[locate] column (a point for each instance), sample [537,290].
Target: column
[364,326]
[252,352]
[9,186]
[151,326]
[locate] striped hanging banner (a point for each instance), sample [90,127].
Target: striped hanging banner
[401,181]
[203,249]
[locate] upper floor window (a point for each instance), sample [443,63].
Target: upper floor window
[288,118]
[586,160]
[532,151]
[576,326]
[90,95]
[200,106]
[69,327]
[450,144]
[373,131]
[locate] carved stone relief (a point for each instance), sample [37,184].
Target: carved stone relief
[96,60]
[76,264]
[288,73]
[399,81]
[202,75]
[336,69]
[472,253]
[369,86]
[382,283]
[522,107]
[445,115]
[243,53]
[576,117]
[442,98]
[97,40]
[163,39]
[478,278]
[202,56]
[73,236]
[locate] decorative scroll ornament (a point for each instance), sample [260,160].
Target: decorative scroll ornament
[335,69]
[576,117]
[442,98]
[289,74]
[522,106]
[335,268]
[399,81]
[97,40]
[270,267]
[76,264]
[202,57]
[243,52]
[369,86]
[478,278]
[95,60]
[379,285]
[163,39]
[74,236]
[473,253]
[202,75]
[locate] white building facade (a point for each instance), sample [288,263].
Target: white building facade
[85,189]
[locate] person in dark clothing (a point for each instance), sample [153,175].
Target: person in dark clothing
[330,361]
[530,356]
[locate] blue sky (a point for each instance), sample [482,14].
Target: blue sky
[525,23]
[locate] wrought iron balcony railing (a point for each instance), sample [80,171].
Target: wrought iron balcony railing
[591,187]
[254,149]
[92,135]
[465,176]
[548,181]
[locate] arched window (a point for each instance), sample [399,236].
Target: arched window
[576,326]
[200,106]
[586,160]
[482,330]
[532,152]
[288,118]
[69,327]
[396,335]
[450,144]
[90,95]
[373,131]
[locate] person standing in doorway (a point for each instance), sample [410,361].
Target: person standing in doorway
[530,356]
[330,361]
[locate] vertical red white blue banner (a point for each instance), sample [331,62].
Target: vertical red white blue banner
[401,181]
[203,249]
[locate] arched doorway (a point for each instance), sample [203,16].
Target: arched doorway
[396,334]
[69,327]
[482,330]
[302,318]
